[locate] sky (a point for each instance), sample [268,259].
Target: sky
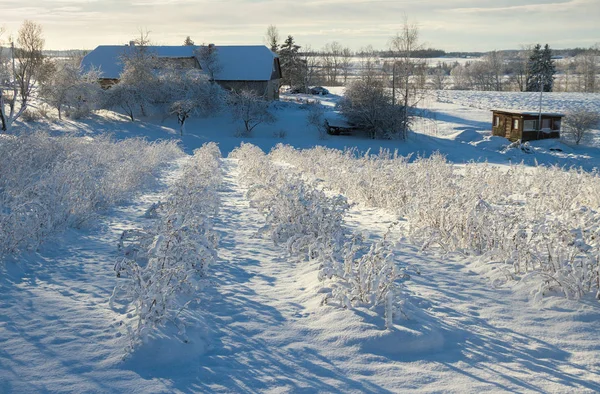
[451,25]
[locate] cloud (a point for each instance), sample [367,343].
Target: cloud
[452,24]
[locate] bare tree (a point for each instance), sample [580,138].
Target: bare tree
[25,64]
[578,123]
[313,64]
[370,69]
[520,70]
[272,38]
[403,46]
[587,66]
[346,63]
[331,59]
[494,62]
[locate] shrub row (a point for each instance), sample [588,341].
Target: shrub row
[536,224]
[161,267]
[310,224]
[51,183]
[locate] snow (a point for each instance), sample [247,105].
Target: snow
[260,325]
[238,63]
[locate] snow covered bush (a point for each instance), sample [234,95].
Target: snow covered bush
[300,215]
[162,267]
[51,183]
[535,223]
[367,276]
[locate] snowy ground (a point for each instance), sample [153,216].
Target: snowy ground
[260,327]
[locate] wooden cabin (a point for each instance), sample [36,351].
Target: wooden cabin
[523,125]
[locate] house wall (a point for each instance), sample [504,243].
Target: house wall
[106,83]
[266,89]
[506,126]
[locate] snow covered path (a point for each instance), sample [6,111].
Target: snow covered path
[260,327]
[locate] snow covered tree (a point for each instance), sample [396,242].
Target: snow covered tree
[250,109]
[368,104]
[541,69]
[138,78]
[208,56]
[191,93]
[292,66]
[71,89]
[123,96]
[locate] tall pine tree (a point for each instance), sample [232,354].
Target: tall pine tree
[541,69]
[293,67]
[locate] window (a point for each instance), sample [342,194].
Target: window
[515,124]
[546,124]
[496,121]
[529,125]
[556,125]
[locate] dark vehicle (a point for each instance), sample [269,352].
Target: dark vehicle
[319,90]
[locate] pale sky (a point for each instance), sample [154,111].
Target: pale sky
[452,25]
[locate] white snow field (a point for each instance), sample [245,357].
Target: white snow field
[256,321]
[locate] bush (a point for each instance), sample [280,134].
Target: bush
[310,224]
[535,224]
[161,266]
[368,105]
[51,183]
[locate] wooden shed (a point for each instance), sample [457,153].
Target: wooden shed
[523,125]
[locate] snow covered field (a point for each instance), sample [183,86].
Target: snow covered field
[257,322]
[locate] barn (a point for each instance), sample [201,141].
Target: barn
[523,125]
[250,67]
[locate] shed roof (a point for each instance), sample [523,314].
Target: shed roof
[238,62]
[527,113]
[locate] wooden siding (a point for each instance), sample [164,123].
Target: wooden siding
[504,125]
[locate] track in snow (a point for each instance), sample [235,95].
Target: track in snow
[262,329]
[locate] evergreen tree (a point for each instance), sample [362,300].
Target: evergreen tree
[293,67]
[188,41]
[541,69]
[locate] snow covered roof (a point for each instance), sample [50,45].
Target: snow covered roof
[238,62]
[528,113]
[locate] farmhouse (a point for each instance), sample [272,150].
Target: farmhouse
[523,125]
[250,67]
